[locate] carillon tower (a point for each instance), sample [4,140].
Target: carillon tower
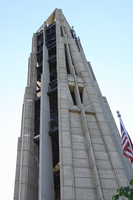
[69,148]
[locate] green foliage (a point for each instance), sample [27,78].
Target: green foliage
[124,191]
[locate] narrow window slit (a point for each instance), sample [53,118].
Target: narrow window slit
[61,31]
[81,94]
[81,97]
[70,55]
[67,65]
[73,97]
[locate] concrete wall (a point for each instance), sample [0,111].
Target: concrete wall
[90,164]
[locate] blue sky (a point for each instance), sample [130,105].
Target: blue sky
[106,32]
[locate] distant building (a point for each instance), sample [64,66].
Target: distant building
[69,147]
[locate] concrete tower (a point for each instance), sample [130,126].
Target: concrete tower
[69,147]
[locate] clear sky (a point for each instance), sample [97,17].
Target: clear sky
[106,32]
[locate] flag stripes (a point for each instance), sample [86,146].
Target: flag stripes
[126,142]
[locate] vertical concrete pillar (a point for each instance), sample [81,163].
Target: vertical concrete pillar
[46,183]
[17,177]
[27,167]
[28,185]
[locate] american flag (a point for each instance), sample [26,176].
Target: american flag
[126,142]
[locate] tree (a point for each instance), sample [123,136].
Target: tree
[124,191]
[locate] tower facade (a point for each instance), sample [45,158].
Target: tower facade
[69,147]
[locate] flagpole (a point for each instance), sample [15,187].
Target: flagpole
[119,115]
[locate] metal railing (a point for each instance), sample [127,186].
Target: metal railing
[53,124]
[52,85]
